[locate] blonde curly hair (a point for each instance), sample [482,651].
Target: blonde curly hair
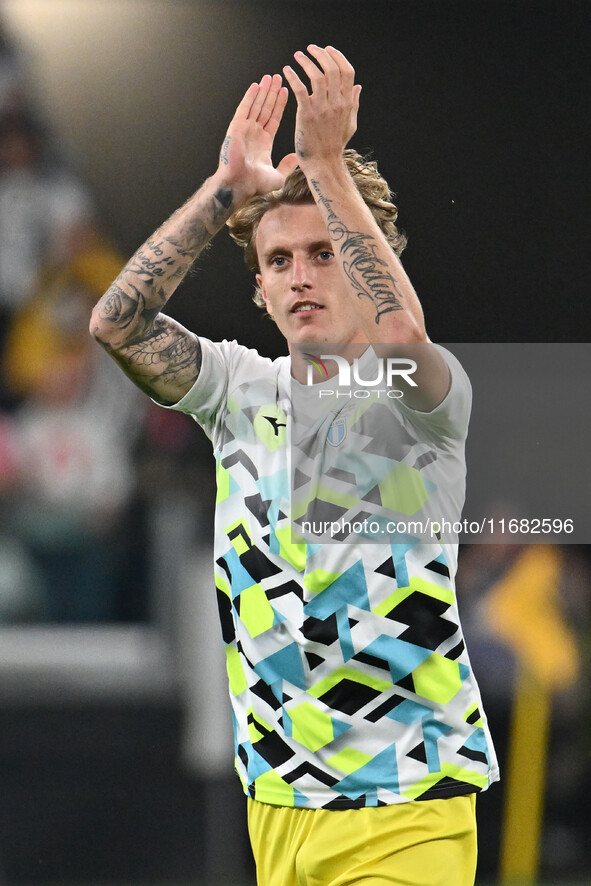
[243,224]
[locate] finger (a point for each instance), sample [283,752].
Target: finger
[356,95]
[288,164]
[346,69]
[315,75]
[269,100]
[343,63]
[297,86]
[330,68]
[274,120]
[243,109]
[260,97]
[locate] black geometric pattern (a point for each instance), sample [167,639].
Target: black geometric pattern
[258,508]
[471,754]
[387,568]
[313,660]
[419,753]
[265,692]
[349,696]
[226,617]
[321,630]
[384,709]
[423,615]
[271,747]
[448,787]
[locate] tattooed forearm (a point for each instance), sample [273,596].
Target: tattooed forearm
[369,274]
[325,202]
[225,198]
[159,355]
[167,358]
[150,261]
[163,347]
[125,309]
[194,235]
[224,150]
[117,307]
[146,282]
[299,144]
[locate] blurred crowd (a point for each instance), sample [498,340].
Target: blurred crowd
[86,461]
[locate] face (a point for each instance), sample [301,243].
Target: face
[301,280]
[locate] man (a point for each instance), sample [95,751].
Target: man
[352,693]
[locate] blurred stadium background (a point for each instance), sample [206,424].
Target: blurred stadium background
[115,745]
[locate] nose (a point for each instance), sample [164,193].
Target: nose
[300,274]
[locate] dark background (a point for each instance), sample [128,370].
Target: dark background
[476,110]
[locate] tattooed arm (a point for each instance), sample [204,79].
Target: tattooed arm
[158,354]
[385,299]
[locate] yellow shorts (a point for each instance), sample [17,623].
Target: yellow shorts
[425,843]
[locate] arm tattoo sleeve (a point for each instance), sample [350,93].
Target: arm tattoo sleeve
[166,356]
[159,355]
[369,274]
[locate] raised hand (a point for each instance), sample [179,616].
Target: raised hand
[245,157]
[327,116]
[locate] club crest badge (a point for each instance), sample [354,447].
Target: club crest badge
[337,432]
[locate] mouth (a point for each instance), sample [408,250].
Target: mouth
[305,307]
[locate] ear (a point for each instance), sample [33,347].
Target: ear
[263,292]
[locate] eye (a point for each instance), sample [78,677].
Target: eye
[325,255]
[278,261]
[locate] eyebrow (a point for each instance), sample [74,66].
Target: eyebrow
[316,246]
